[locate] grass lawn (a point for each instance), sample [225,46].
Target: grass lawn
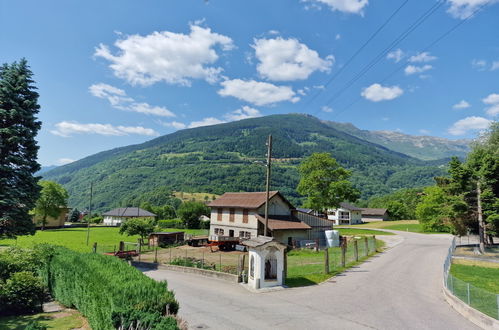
[65,320]
[402,225]
[306,267]
[360,232]
[483,286]
[75,238]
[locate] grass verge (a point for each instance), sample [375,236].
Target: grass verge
[361,232]
[68,319]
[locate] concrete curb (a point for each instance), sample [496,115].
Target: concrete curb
[473,315]
[204,272]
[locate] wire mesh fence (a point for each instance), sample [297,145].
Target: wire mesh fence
[477,298]
[304,262]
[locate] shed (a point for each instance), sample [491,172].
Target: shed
[371,214]
[165,238]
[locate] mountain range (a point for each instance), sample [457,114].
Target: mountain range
[227,157]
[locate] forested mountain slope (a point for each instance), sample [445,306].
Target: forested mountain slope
[421,147]
[221,158]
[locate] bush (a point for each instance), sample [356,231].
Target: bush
[34,325]
[97,220]
[133,319]
[204,224]
[99,285]
[175,223]
[15,260]
[22,293]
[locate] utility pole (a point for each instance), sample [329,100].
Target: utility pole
[267,189]
[89,211]
[481,226]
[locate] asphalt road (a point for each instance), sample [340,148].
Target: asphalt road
[400,288]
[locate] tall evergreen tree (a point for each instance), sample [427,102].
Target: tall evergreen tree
[18,149]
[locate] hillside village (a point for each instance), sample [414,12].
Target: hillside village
[306,164]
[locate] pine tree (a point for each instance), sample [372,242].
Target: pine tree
[18,149]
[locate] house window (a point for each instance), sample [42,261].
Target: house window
[245,234]
[219,231]
[219,214]
[232,213]
[332,213]
[245,216]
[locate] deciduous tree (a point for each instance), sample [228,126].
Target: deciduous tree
[138,226]
[53,199]
[325,182]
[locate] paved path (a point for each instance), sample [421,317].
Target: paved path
[398,289]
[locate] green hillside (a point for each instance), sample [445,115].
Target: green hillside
[421,147]
[220,158]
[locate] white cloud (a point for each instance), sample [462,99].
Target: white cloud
[119,100]
[288,59]
[494,66]
[478,64]
[66,129]
[412,69]
[422,58]
[461,105]
[424,131]
[377,93]
[64,161]
[325,108]
[206,122]
[346,6]
[493,101]
[337,36]
[463,8]
[174,124]
[395,55]
[468,124]
[174,58]
[258,93]
[243,113]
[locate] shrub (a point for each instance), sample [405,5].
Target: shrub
[204,224]
[99,285]
[34,325]
[22,293]
[133,319]
[175,223]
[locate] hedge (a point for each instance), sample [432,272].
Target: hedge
[101,286]
[175,223]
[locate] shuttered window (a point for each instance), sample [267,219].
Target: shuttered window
[219,214]
[232,213]
[245,216]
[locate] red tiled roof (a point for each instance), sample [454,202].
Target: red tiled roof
[249,200]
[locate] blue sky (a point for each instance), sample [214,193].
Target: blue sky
[114,73]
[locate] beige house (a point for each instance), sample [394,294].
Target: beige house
[52,222]
[243,215]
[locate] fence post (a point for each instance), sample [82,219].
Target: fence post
[202,261]
[185,260]
[374,242]
[343,253]
[95,247]
[140,247]
[356,250]
[170,255]
[286,269]
[326,261]
[156,255]
[366,243]
[468,291]
[220,254]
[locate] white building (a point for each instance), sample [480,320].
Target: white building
[117,216]
[346,214]
[243,215]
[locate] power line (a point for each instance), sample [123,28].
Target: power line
[433,43]
[383,53]
[333,77]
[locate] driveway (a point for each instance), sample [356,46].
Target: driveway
[398,289]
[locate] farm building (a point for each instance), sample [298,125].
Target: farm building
[117,216]
[369,214]
[243,215]
[165,238]
[346,214]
